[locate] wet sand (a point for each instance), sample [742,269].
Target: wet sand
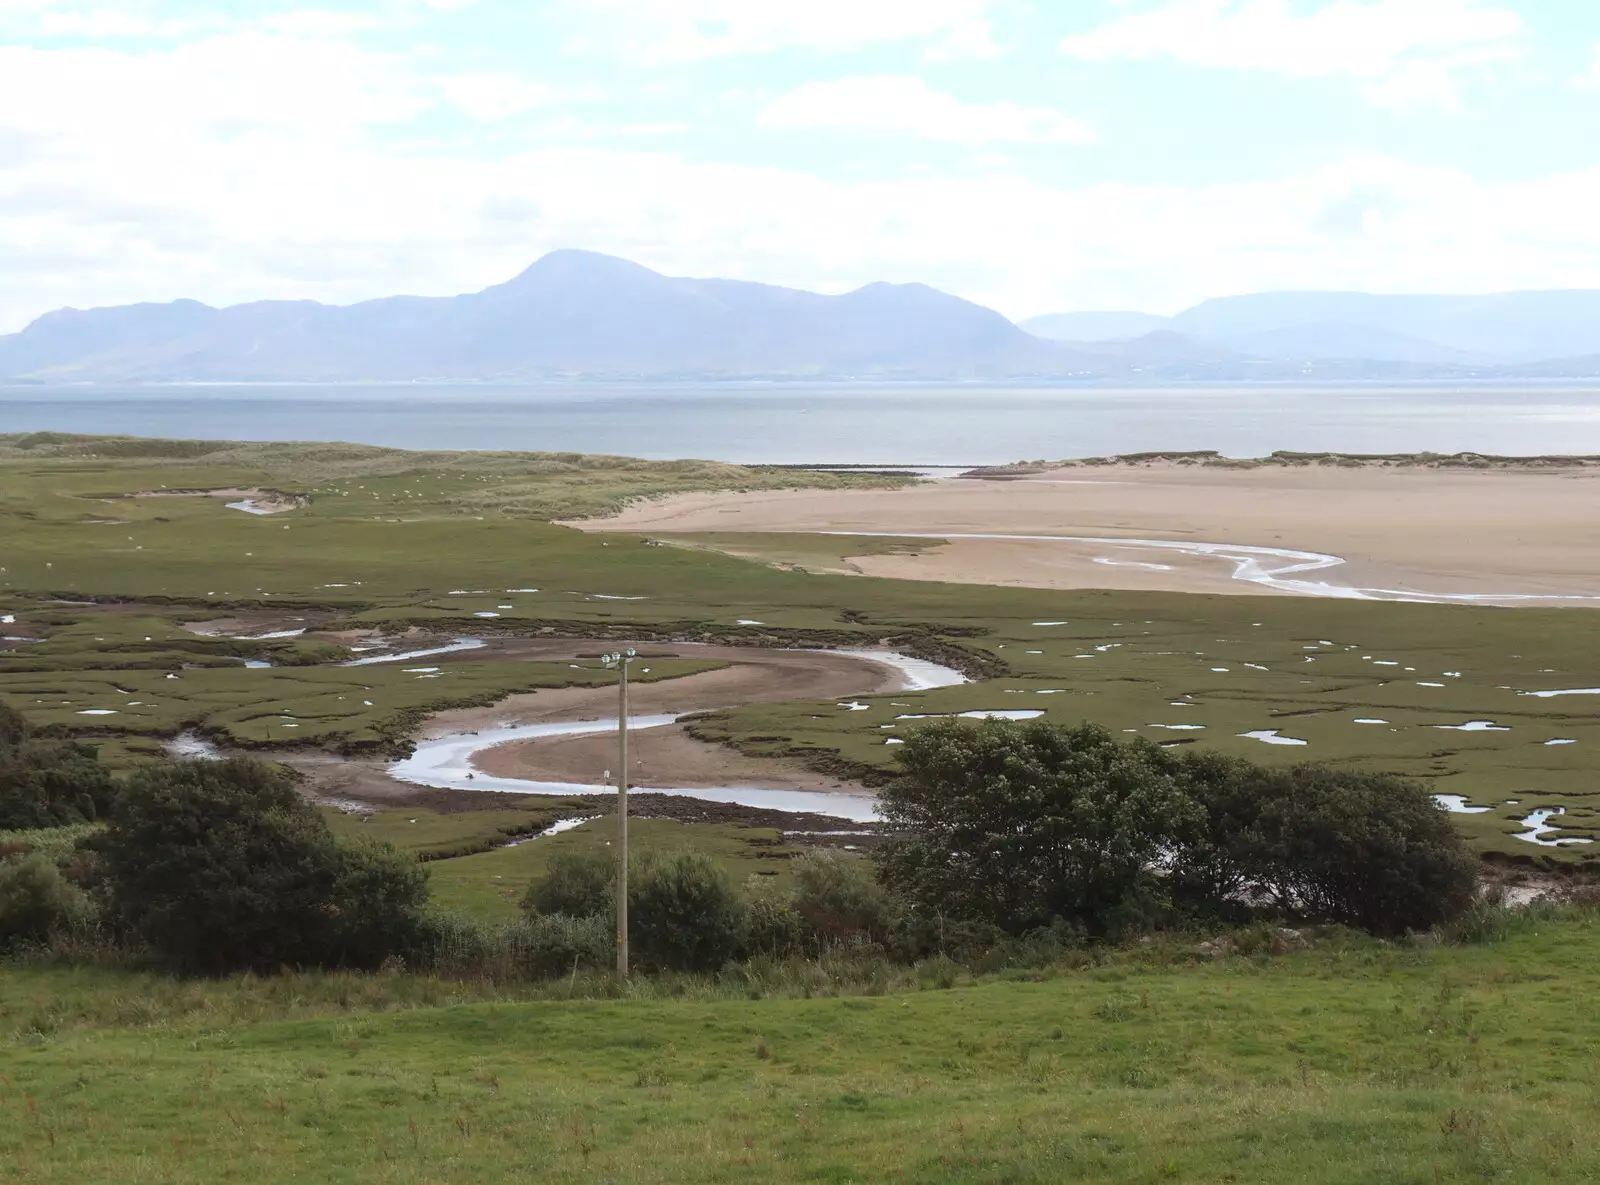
[1414,531]
[665,756]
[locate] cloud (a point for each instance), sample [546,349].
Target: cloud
[255,164]
[903,105]
[662,31]
[1399,53]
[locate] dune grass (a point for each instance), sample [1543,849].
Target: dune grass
[1351,1062]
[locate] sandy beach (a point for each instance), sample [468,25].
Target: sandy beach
[1501,533]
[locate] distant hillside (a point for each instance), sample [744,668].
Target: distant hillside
[1509,329]
[1094,327]
[572,314]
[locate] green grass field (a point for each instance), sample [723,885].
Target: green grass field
[1350,1062]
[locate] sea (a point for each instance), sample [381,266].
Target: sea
[871,424]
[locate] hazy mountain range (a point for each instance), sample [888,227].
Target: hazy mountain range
[576,314]
[1500,330]
[573,313]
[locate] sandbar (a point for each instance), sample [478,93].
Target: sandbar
[1503,534]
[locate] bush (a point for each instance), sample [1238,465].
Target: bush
[13,725]
[376,905]
[772,928]
[1366,850]
[551,945]
[48,783]
[1020,825]
[37,902]
[578,884]
[683,914]
[841,900]
[221,866]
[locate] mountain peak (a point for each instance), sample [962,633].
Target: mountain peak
[570,265]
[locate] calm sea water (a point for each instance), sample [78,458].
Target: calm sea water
[867,424]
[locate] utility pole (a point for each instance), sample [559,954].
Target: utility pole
[620,660]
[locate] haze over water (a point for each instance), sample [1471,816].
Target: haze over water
[839,423]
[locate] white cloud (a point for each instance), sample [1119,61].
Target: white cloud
[694,30]
[258,165]
[903,105]
[1400,53]
[494,96]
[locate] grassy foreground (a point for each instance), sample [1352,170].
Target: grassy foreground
[1349,1062]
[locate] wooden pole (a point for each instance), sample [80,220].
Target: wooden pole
[622,820]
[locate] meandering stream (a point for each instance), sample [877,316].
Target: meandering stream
[446,762]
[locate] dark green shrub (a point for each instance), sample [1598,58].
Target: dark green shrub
[376,906]
[37,902]
[221,866]
[48,783]
[683,914]
[841,899]
[578,884]
[1370,851]
[1366,850]
[1022,824]
[13,725]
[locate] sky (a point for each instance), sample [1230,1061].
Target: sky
[1033,155]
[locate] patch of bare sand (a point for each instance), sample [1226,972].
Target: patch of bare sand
[665,757]
[668,756]
[1419,530]
[753,676]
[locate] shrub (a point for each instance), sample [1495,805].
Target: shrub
[683,914]
[13,725]
[1365,850]
[578,884]
[1019,825]
[772,928]
[1222,863]
[376,905]
[48,783]
[221,866]
[36,901]
[841,899]
[551,945]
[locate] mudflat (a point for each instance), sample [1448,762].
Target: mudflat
[663,756]
[1489,533]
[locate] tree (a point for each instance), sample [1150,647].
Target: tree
[1021,824]
[222,866]
[48,783]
